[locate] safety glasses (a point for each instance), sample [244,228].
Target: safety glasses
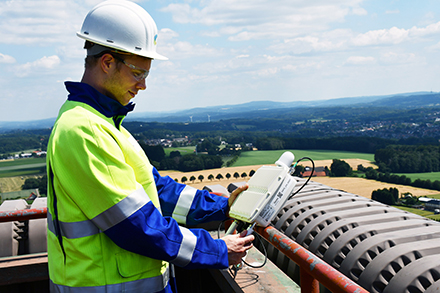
[138,73]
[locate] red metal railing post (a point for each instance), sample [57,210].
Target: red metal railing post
[23,215]
[325,274]
[308,283]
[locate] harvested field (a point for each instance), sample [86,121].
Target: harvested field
[359,186]
[9,184]
[364,187]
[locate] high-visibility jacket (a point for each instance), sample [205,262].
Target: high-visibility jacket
[112,219]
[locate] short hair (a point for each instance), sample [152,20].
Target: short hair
[91,60]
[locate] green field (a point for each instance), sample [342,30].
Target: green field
[269,157]
[183,150]
[423,176]
[423,213]
[22,167]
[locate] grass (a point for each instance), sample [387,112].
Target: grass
[21,172]
[423,176]
[269,157]
[20,167]
[436,196]
[423,213]
[20,162]
[183,150]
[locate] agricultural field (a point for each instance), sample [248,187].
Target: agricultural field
[183,150]
[21,167]
[269,157]
[423,176]
[423,213]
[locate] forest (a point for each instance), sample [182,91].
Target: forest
[408,158]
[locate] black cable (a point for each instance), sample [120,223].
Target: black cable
[219,227]
[232,271]
[265,254]
[308,179]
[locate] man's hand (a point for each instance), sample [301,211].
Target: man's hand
[237,246]
[235,193]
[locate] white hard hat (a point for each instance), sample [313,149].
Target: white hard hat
[122,25]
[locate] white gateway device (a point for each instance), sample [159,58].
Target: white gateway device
[269,188]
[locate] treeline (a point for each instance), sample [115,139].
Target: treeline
[175,161]
[354,144]
[386,196]
[373,174]
[408,159]
[39,182]
[23,140]
[219,176]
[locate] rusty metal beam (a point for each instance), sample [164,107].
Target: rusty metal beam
[23,269]
[23,215]
[312,265]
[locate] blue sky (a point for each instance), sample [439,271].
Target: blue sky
[229,52]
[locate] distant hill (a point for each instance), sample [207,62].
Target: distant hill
[262,108]
[26,125]
[216,113]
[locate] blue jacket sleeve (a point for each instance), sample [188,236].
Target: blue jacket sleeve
[148,233]
[188,205]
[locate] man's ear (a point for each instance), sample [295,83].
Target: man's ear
[107,62]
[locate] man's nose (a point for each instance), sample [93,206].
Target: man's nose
[142,84]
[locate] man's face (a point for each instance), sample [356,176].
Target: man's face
[124,80]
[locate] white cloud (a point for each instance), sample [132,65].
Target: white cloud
[322,42]
[44,63]
[434,48]
[394,35]
[6,59]
[167,34]
[359,11]
[360,60]
[433,28]
[397,58]
[384,36]
[309,44]
[38,22]
[186,50]
[244,20]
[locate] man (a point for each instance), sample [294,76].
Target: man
[112,219]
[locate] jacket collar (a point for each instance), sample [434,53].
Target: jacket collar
[82,92]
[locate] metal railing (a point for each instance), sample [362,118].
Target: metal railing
[313,271]
[23,215]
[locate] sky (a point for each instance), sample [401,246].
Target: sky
[227,52]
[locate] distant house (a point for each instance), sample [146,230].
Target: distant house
[432,205]
[319,172]
[40,153]
[29,194]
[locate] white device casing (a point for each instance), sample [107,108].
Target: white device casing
[268,190]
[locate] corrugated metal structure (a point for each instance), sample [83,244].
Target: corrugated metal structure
[12,233]
[380,247]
